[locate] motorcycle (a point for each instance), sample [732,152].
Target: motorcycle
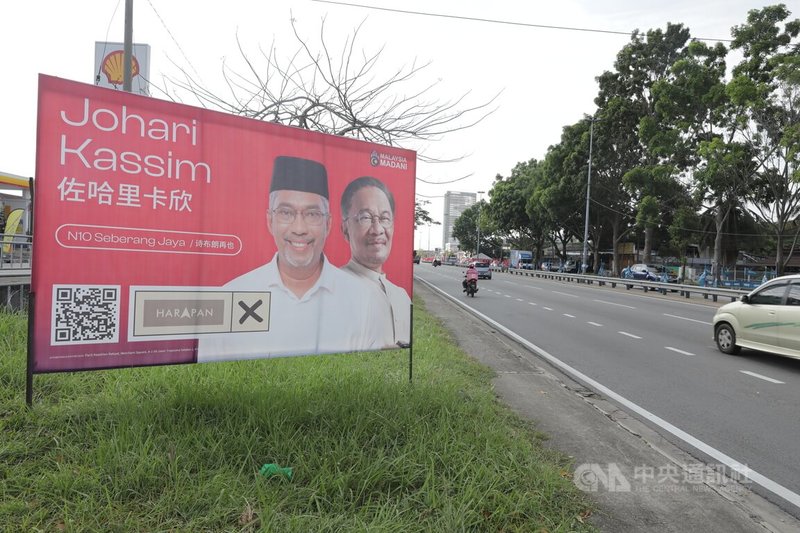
[436,262]
[472,287]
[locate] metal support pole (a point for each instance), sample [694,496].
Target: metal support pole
[478,246]
[411,347]
[588,197]
[128,48]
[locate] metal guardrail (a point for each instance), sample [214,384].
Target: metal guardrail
[15,271]
[664,288]
[15,251]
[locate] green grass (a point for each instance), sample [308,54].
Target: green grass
[179,448]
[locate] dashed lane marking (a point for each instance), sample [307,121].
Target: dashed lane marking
[631,335]
[569,316]
[613,303]
[682,352]
[687,319]
[595,324]
[759,376]
[564,294]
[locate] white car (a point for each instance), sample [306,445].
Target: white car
[766,319]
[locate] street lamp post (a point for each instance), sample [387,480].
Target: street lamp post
[584,264]
[478,247]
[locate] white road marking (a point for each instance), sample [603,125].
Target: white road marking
[612,303]
[678,351]
[570,316]
[595,324]
[548,308]
[520,300]
[631,335]
[759,376]
[508,296]
[737,466]
[531,303]
[687,319]
[564,294]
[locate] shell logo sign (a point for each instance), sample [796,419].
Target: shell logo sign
[113,66]
[109,66]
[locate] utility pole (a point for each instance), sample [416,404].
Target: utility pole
[478,247]
[584,264]
[127,64]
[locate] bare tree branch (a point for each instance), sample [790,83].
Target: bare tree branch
[339,94]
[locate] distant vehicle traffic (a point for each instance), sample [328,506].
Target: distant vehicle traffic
[484,271]
[521,259]
[762,320]
[570,265]
[652,273]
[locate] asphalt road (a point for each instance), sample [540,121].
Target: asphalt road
[658,353]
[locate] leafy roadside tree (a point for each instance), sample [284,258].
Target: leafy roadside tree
[616,149]
[421,215]
[508,208]
[766,90]
[558,196]
[640,64]
[465,228]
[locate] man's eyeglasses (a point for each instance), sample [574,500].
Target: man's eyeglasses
[367,219]
[312,217]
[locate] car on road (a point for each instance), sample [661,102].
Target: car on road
[484,270]
[570,266]
[765,319]
[652,273]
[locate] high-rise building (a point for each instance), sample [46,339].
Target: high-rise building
[454,204]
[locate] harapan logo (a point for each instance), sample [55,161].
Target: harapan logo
[172,313]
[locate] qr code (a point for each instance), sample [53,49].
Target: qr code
[85,314]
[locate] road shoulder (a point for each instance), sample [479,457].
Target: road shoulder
[639,480]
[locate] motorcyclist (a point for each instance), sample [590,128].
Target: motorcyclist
[472,273]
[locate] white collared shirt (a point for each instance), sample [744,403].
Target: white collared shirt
[396,298]
[337,314]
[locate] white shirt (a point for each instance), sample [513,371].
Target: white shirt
[338,314]
[394,297]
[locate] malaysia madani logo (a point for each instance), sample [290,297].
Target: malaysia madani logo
[379,159]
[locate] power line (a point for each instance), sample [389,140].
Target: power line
[105,44]
[174,40]
[445,182]
[495,21]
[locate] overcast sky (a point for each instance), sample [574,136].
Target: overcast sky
[545,77]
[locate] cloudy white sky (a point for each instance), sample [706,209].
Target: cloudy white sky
[545,77]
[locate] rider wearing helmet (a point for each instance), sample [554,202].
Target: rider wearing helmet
[472,273]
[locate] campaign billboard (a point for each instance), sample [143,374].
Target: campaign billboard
[166,233]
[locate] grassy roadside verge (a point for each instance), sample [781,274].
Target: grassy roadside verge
[179,448]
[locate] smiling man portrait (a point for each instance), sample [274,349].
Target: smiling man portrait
[314,306]
[368,224]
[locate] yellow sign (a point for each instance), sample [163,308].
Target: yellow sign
[12,224]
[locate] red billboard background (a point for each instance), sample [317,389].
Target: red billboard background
[110,159]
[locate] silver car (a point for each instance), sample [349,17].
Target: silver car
[484,270]
[766,319]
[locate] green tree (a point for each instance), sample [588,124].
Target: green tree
[641,64]
[508,208]
[766,90]
[421,215]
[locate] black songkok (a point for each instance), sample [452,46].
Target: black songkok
[296,174]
